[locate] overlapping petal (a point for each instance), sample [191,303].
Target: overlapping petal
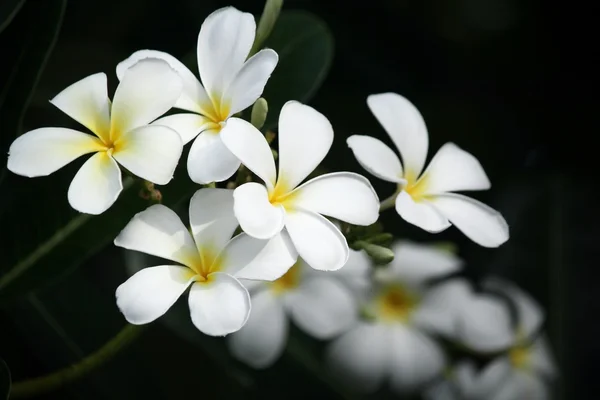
[377,158]
[421,213]
[210,160]
[256,215]
[212,219]
[187,125]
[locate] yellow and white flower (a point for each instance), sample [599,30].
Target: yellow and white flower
[396,345]
[426,199]
[323,304]
[230,84]
[211,262]
[305,136]
[121,135]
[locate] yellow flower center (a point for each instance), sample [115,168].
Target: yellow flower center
[415,186]
[217,110]
[519,356]
[289,281]
[281,195]
[396,304]
[209,261]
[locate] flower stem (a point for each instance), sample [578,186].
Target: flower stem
[388,203]
[55,380]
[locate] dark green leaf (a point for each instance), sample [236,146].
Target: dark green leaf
[305,47]
[8,10]
[5,380]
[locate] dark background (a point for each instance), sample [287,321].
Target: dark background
[503,79]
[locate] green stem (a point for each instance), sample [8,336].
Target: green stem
[73,372]
[388,203]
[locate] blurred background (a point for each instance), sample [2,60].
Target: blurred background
[482,73]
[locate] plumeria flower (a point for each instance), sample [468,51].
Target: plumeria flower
[395,345]
[121,135]
[230,84]
[305,137]
[426,199]
[211,262]
[323,304]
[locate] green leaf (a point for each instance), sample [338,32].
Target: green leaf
[5,380]
[266,24]
[8,10]
[305,47]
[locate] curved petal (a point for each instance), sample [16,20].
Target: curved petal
[490,379]
[480,223]
[415,359]
[323,307]
[345,196]
[96,186]
[188,126]
[212,219]
[150,152]
[193,96]
[262,340]
[219,306]
[256,215]
[318,241]
[357,273]
[148,90]
[453,169]
[376,157]
[250,81]
[43,151]
[305,137]
[149,293]
[421,213]
[248,258]
[86,101]
[520,385]
[209,160]
[405,125]
[360,357]
[225,39]
[251,147]
[158,231]
[541,359]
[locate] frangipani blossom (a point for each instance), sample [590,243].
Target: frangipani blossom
[230,84]
[305,136]
[395,345]
[211,262]
[121,132]
[322,304]
[426,199]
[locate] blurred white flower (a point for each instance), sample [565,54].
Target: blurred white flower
[305,136]
[425,199]
[395,345]
[121,135]
[212,263]
[323,304]
[231,84]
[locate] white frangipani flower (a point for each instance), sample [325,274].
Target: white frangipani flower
[320,303]
[121,132]
[212,263]
[425,199]
[230,84]
[395,345]
[305,136]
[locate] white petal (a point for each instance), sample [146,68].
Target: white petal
[376,157]
[150,152]
[212,219]
[345,196]
[248,258]
[251,147]
[219,306]
[318,241]
[188,126]
[405,125]
[250,81]
[356,273]
[224,42]
[360,357]
[305,136]
[491,378]
[256,215]
[86,101]
[415,359]
[209,160]
[416,263]
[158,231]
[421,213]
[262,340]
[480,223]
[43,151]
[149,293]
[452,169]
[147,90]
[193,96]
[520,385]
[541,359]
[96,186]
[323,307]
